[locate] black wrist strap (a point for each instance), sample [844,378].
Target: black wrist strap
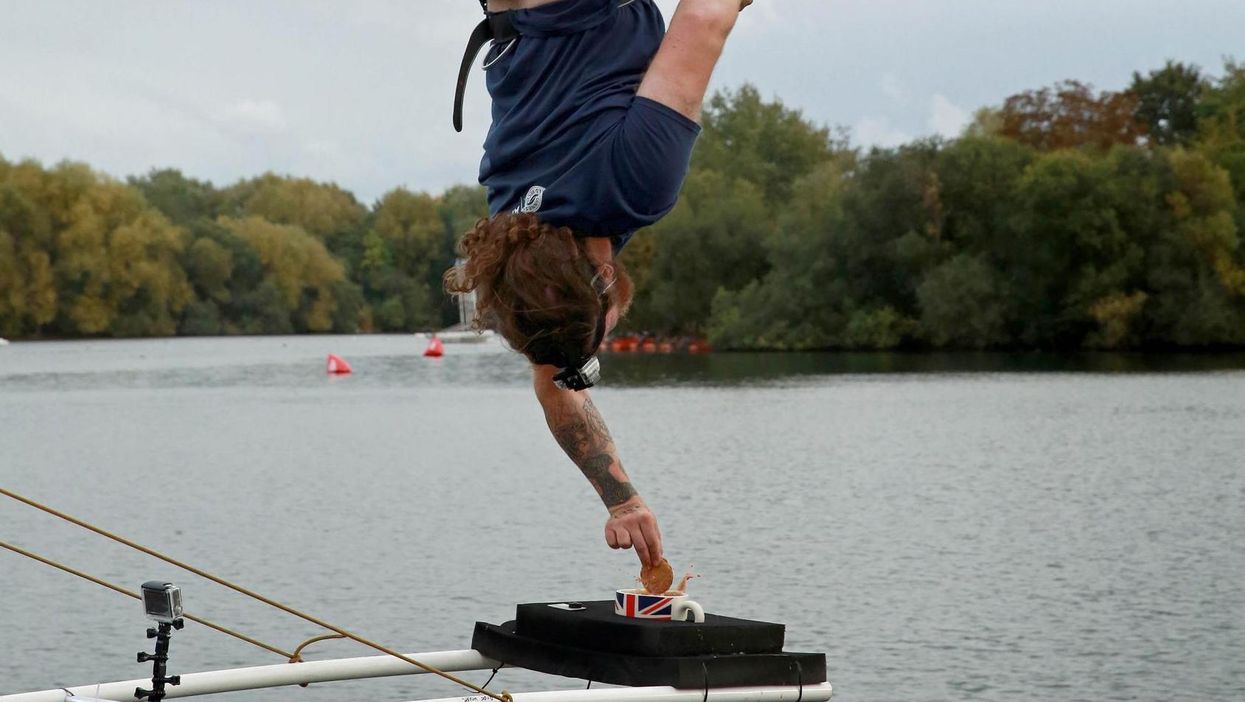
[495,27]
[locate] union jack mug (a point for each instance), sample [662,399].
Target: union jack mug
[638,604]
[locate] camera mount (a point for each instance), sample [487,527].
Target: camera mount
[163,603]
[163,634]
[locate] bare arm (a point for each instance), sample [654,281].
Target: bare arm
[581,432]
[680,72]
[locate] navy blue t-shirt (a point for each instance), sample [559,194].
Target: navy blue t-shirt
[570,140]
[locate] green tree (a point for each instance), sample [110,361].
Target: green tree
[1221,123]
[762,142]
[350,315]
[876,328]
[323,210]
[1071,249]
[805,300]
[964,304]
[1117,316]
[977,183]
[894,196]
[712,239]
[183,200]
[298,266]
[376,262]
[28,298]
[411,224]
[1167,101]
[1194,274]
[403,258]
[1202,207]
[209,266]
[115,259]
[12,287]
[1221,112]
[148,288]
[201,318]
[262,311]
[28,294]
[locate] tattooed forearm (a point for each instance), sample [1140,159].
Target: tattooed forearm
[582,433]
[613,491]
[575,439]
[595,421]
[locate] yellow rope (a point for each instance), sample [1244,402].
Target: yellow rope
[135,595]
[503,697]
[297,657]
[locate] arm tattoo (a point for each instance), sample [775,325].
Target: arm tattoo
[587,442]
[613,492]
[595,421]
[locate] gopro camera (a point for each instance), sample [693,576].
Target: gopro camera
[163,601]
[580,378]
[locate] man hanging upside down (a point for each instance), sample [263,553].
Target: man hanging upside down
[595,111]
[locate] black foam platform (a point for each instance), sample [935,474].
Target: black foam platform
[596,644]
[597,627]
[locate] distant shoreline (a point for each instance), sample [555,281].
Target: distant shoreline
[680,343]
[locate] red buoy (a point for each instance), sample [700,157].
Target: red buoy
[435,348]
[336,365]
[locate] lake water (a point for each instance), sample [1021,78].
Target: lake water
[948,527]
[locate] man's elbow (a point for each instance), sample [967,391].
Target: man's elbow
[711,19]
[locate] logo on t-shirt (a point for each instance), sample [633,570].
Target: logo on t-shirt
[532,201]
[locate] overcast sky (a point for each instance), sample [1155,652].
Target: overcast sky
[359,92]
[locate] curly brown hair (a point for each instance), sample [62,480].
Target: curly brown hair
[534,286]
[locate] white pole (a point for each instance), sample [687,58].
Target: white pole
[819,692]
[259,677]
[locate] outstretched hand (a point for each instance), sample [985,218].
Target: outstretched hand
[633,524]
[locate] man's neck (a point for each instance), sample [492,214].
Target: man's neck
[504,5]
[599,249]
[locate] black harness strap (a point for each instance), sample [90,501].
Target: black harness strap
[495,27]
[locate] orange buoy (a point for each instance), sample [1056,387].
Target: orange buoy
[336,365]
[435,348]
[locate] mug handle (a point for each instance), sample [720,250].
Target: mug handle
[680,609]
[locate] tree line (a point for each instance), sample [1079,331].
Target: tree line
[1064,218]
[82,254]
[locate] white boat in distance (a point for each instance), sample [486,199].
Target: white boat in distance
[458,335]
[462,333]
